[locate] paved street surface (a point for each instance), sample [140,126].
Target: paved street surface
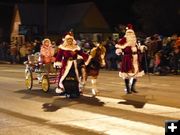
[112,112]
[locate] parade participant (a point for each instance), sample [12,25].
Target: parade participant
[95,62]
[130,67]
[67,59]
[47,53]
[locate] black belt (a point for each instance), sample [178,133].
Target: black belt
[133,53]
[71,58]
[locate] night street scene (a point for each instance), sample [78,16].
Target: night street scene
[89,67]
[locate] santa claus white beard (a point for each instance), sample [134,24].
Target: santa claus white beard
[131,39]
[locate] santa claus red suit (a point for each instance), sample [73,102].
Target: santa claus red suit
[67,58]
[130,67]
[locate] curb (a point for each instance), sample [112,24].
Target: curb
[4,62]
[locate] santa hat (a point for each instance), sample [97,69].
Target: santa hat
[122,41]
[129,28]
[69,35]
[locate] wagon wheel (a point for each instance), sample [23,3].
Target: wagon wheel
[28,79]
[45,83]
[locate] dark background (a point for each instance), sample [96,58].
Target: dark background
[149,17]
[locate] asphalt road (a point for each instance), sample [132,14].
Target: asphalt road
[111,112]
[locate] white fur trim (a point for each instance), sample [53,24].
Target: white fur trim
[68,36]
[67,69]
[63,47]
[129,30]
[129,75]
[58,90]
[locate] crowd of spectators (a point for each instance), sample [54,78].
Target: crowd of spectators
[162,56]
[17,53]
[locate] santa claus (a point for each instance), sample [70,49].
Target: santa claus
[130,67]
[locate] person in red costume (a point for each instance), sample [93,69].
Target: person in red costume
[67,59]
[130,67]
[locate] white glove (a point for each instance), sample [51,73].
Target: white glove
[86,63]
[143,48]
[118,51]
[117,45]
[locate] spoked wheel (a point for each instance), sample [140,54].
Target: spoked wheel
[45,83]
[28,79]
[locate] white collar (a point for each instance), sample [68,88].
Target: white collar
[64,48]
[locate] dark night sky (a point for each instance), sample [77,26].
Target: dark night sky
[113,12]
[154,16]
[116,13]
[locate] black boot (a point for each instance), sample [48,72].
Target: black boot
[133,86]
[127,86]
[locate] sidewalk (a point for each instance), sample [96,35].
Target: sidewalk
[4,62]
